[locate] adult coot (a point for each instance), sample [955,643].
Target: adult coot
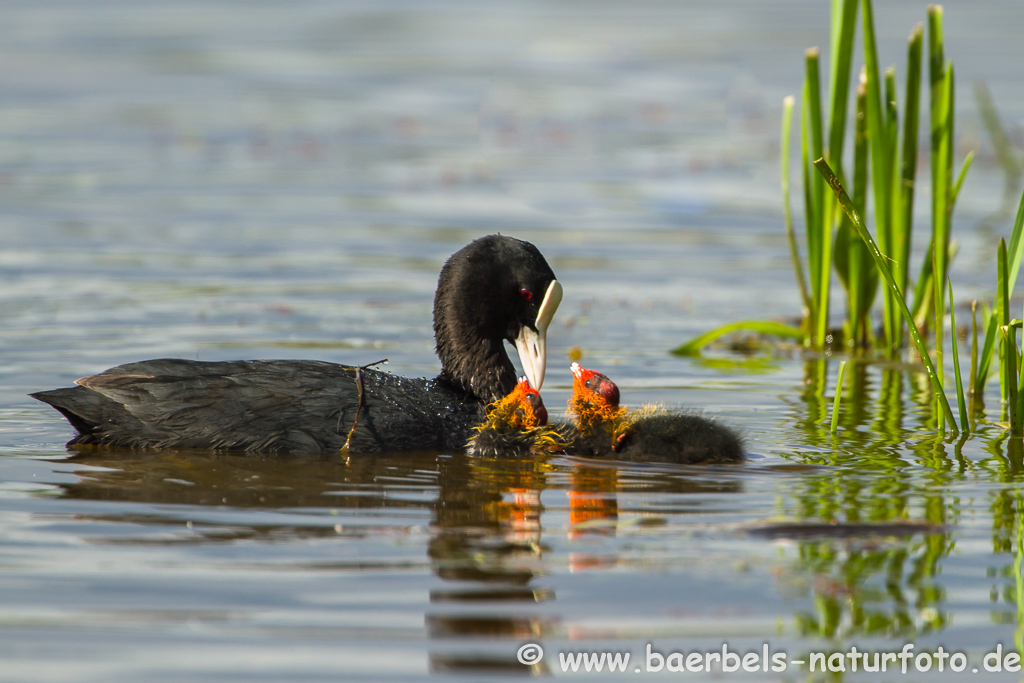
[494,290]
[607,430]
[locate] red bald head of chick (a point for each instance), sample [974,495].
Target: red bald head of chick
[516,426]
[523,407]
[595,398]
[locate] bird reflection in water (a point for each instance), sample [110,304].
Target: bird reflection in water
[489,548]
[488,524]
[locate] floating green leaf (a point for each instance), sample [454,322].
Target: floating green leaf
[693,347]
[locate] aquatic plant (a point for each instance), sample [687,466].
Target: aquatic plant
[884,165]
[883,268]
[838,397]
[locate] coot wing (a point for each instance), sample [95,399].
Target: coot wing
[265,406]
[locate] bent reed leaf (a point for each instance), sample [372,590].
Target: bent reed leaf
[883,269]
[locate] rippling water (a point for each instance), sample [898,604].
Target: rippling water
[226,180]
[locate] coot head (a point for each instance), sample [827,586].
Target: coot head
[594,404]
[523,407]
[495,290]
[594,384]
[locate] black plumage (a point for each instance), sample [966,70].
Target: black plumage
[494,290]
[676,438]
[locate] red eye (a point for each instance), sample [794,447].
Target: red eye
[526,294]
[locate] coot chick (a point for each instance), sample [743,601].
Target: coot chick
[648,434]
[494,290]
[516,427]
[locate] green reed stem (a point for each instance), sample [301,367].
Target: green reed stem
[987,350]
[787,208]
[844,25]
[1003,316]
[1016,381]
[852,263]
[961,402]
[890,311]
[937,309]
[821,279]
[1015,253]
[810,219]
[838,396]
[881,148]
[811,59]
[954,192]
[1010,360]
[972,378]
[904,218]
[883,269]
[1016,249]
[942,92]
[923,296]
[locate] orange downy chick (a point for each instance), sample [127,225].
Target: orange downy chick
[594,405]
[647,435]
[516,426]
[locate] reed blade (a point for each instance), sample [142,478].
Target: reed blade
[1016,248]
[941,93]
[852,262]
[877,130]
[904,221]
[822,226]
[883,269]
[838,397]
[1003,317]
[955,190]
[942,164]
[972,376]
[844,25]
[961,402]
[987,351]
[890,313]
[787,208]
[1009,361]
[810,218]
[1016,382]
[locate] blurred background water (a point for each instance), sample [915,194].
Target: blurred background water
[223,180]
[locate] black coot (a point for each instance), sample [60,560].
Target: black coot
[494,290]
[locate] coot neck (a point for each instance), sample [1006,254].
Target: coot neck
[478,367]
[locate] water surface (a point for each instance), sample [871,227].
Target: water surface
[219,180]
